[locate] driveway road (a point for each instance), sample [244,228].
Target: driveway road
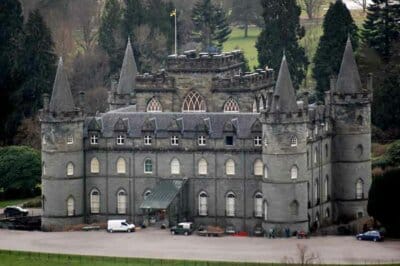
[151,243]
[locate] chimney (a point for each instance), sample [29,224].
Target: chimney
[333,81]
[81,100]
[305,100]
[370,82]
[46,101]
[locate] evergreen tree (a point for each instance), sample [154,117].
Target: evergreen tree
[281,33]
[210,25]
[38,65]
[110,34]
[133,16]
[382,27]
[11,27]
[338,25]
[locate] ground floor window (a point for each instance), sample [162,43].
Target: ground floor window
[121,202]
[95,201]
[70,206]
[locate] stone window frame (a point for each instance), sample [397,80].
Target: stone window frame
[294,172]
[148,140]
[194,102]
[175,140]
[359,189]
[70,206]
[154,106]
[230,204]
[175,166]
[146,165]
[258,163]
[258,205]
[121,166]
[230,167]
[70,139]
[293,141]
[70,167]
[95,206]
[94,139]
[231,106]
[201,140]
[120,140]
[94,169]
[202,166]
[257,141]
[122,209]
[203,203]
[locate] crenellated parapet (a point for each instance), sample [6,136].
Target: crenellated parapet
[352,98]
[155,82]
[193,62]
[261,79]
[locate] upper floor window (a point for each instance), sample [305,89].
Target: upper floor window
[316,129]
[121,166]
[316,191]
[175,140]
[147,140]
[325,194]
[258,205]
[146,194]
[315,155]
[70,139]
[258,167]
[94,166]
[94,201]
[202,167]
[120,140]
[230,167]
[70,169]
[294,172]
[70,206]
[255,109]
[293,141]
[229,140]
[326,150]
[121,202]
[94,139]
[326,126]
[194,102]
[230,204]
[258,141]
[175,167]
[231,106]
[154,105]
[203,208]
[266,172]
[201,140]
[148,166]
[359,189]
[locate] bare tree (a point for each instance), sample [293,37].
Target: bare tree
[28,133]
[304,257]
[312,7]
[361,3]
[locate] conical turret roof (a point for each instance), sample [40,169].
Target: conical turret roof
[349,78]
[284,89]
[127,79]
[61,97]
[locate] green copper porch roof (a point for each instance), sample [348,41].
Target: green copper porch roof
[163,194]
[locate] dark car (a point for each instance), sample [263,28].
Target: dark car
[370,235]
[15,211]
[182,229]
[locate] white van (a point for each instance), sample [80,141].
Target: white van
[119,226]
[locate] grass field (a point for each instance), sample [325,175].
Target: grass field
[14,202]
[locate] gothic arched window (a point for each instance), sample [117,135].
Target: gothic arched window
[203,208]
[194,102]
[258,167]
[94,166]
[70,169]
[154,105]
[121,166]
[231,106]
[294,172]
[94,201]
[230,167]
[258,205]
[70,206]
[202,167]
[230,204]
[121,202]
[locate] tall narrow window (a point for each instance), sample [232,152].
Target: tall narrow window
[230,204]
[294,208]
[70,206]
[121,166]
[316,191]
[121,202]
[44,169]
[294,172]
[293,141]
[147,140]
[359,189]
[148,166]
[203,208]
[94,201]
[326,180]
[94,166]
[231,106]
[255,109]
[258,167]
[258,205]
[175,167]
[70,169]
[326,150]
[203,167]
[316,155]
[154,106]
[230,167]
[194,102]
[174,140]
[201,141]
[120,140]
[266,172]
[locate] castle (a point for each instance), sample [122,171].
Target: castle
[203,142]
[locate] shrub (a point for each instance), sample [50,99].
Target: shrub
[393,153]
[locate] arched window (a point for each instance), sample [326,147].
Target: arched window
[231,106]
[359,189]
[255,109]
[202,167]
[359,150]
[230,167]
[154,106]
[258,205]
[194,102]
[121,202]
[70,169]
[70,206]
[326,150]
[265,210]
[294,208]
[203,209]
[258,167]
[148,166]
[121,166]
[316,191]
[146,194]
[265,172]
[316,155]
[293,141]
[327,213]
[94,166]
[294,171]
[94,201]
[175,167]
[326,180]
[230,204]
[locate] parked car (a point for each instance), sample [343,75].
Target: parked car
[119,226]
[182,229]
[15,211]
[370,235]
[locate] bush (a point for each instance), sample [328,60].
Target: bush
[20,171]
[393,153]
[34,203]
[382,197]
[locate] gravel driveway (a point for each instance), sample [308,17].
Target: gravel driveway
[154,243]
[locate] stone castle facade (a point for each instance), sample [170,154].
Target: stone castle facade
[203,142]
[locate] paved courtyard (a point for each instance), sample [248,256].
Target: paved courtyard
[152,243]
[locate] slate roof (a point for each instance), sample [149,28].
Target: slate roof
[61,97]
[349,78]
[163,194]
[189,124]
[127,79]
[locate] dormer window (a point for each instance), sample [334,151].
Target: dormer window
[94,140]
[120,140]
[229,140]
[147,140]
[258,141]
[201,140]
[174,140]
[293,141]
[70,140]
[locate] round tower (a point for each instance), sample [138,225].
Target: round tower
[62,157]
[351,107]
[285,158]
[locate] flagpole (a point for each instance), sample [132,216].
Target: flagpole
[176,37]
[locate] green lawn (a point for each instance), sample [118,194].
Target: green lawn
[14,202]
